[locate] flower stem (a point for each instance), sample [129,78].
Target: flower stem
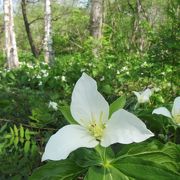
[102,152]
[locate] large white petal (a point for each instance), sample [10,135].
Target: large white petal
[66,140]
[87,103]
[176,107]
[125,128]
[163,111]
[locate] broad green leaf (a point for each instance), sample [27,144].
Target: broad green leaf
[138,168]
[101,173]
[131,168]
[65,110]
[167,155]
[117,104]
[86,157]
[145,161]
[61,170]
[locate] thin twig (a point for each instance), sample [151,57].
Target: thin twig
[26,125]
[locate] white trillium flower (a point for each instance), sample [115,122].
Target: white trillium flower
[44,71]
[143,96]
[124,68]
[40,83]
[144,64]
[91,111]
[63,78]
[118,72]
[38,76]
[174,114]
[83,69]
[53,105]
[56,77]
[45,74]
[102,78]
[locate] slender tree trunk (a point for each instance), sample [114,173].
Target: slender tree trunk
[96,20]
[48,51]
[138,34]
[136,26]
[27,27]
[10,41]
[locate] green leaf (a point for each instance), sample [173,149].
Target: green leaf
[65,110]
[34,148]
[145,161]
[16,141]
[102,173]
[138,168]
[27,134]
[3,127]
[7,136]
[12,132]
[26,147]
[107,89]
[12,139]
[21,140]
[15,130]
[86,157]
[41,116]
[21,131]
[131,168]
[60,170]
[167,155]
[117,104]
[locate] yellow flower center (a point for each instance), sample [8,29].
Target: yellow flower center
[97,127]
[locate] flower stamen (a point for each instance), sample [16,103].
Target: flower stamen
[97,127]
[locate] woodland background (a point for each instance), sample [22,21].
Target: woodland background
[136,46]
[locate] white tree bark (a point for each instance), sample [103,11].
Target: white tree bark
[96,18]
[96,21]
[48,51]
[10,40]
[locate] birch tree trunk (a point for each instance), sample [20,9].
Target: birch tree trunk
[138,39]
[48,51]
[10,41]
[96,20]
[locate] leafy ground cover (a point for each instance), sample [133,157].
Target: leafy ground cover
[28,119]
